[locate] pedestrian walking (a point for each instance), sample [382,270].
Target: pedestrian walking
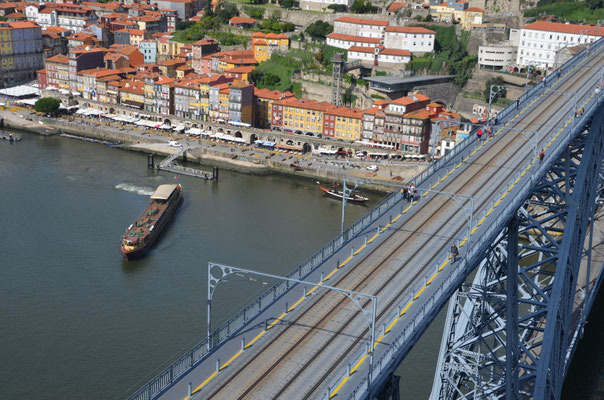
[490,131]
[541,155]
[479,133]
[454,252]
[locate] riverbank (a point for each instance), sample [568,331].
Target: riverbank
[238,158]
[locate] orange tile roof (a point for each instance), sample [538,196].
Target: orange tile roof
[351,38]
[241,70]
[345,112]
[23,24]
[394,7]
[565,28]
[272,94]
[474,9]
[306,104]
[241,20]
[362,21]
[409,29]
[419,114]
[59,58]
[395,52]
[362,49]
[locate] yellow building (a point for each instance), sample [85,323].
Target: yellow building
[6,50]
[166,48]
[300,115]
[343,123]
[264,45]
[132,94]
[471,16]
[442,12]
[263,103]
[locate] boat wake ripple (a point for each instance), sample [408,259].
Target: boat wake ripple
[142,190]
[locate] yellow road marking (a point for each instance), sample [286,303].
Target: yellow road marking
[384,228]
[473,230]
[226,364]
[404,310]
[377,341]
[463,241]
[408,208]
[481,221]
[362,247]
[374,236]
[420,292]
[489,212]
[198,388]
[391,325]
[443,265]
[358,364]
[496,203]
[337,389]
[345,261]
[429,281]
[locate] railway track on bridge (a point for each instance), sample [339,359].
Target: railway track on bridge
[237,381]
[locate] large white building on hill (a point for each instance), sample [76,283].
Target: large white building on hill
[540,42]
[378,41]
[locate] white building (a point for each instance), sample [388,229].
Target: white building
[342,41]
[540,42]
[414,39]
[360,27]
[321,5]
[379,54]
[497,56]
[68,16]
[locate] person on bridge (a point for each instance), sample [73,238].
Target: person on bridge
[454,252]
[541,155]
[479,133]
[490,131]
[404,192]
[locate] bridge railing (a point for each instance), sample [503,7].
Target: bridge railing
[431,306]
[194,356]
[173,372]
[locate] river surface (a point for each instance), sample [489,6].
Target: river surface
[78,321]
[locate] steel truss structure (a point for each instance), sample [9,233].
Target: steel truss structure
[511,332]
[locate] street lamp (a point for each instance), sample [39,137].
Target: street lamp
[529,70]
[494,90]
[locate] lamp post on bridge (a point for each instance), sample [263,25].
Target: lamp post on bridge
[355,297]
[532,65]
[494,90]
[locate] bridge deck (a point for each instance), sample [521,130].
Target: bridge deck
[309,348]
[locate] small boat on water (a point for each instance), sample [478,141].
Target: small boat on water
[337,194]
[11,137]
[141,235]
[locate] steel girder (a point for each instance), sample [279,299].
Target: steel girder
[508,333]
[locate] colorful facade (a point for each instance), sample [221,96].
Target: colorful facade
[265,45]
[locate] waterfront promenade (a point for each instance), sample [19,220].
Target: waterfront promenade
[244,158]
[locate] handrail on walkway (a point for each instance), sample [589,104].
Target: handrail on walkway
[172,373]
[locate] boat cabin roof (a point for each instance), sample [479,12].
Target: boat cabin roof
[163,192]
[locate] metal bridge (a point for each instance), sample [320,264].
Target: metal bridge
[342,321]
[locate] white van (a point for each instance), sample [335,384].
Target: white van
[373,168]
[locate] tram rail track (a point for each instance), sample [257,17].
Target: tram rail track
[404,239]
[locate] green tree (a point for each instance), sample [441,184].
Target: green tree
[182,25]
[593,4]
[254,12]
[208,11]
[319,29]
[289,3]
[496,95]
[47,105]
[275,16]
[226,12]
[337,7]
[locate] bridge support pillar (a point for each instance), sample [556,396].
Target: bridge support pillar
[391,390]
[512,329]
[511,367]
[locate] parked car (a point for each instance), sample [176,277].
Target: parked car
[174,143]
[373,168]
